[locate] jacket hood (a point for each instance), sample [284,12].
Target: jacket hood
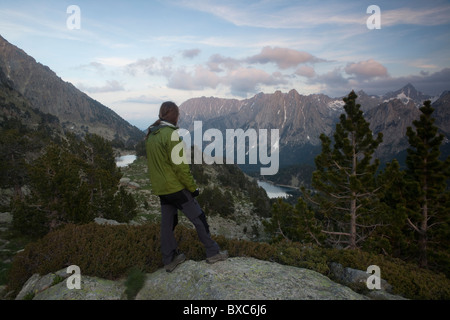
[162,124]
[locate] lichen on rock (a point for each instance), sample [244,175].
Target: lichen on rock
[242,278]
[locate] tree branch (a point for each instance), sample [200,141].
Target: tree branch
[336,233]
[413,225]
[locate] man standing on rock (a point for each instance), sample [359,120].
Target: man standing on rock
[176,188]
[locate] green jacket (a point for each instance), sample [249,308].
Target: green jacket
[165,176]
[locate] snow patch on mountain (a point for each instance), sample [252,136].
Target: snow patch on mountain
[336,104]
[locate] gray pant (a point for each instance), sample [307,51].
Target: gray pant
[184,201]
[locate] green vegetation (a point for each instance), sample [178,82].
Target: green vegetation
[218,198]
[401,214]
[344,186]
[428,204]
[134,283]
[112,251]
[72,183]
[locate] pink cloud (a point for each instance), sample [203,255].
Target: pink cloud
[366,69]
[305,71]
[283,57]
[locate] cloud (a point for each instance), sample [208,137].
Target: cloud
[417,16]
[191,53]
[216,61]
[306,71]
[110,86]
[240,80]
[331,82]
[114,61]
[95,66]
[366,69]
[199,79]
[247,80]
[142,99]
[276,15]
[284,58]
[141,65]
[428,83]
[335,83]
[151,66]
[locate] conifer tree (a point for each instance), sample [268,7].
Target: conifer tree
[428,205]
[294,223]
[73,183]
[344,181]
[394,238]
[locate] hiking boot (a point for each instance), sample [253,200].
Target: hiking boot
[221,256]
[175,262]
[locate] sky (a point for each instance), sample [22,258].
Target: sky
[133,55]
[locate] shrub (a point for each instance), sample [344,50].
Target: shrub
[407,279]
[134,283]
[111,251]
[103,251]
[214,201]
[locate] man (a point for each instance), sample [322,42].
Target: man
[176,188]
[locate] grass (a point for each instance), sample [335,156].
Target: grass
[134,283]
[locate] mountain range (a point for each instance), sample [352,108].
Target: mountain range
[302,118]
[299,118]
[45,91]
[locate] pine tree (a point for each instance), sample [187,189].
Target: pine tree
[394,238]
[73,183]
[344,181]
[294,223]
[428,207]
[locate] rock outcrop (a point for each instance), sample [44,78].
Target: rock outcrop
[242,279]
[54,286]
[239,278]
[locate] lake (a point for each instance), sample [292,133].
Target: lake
[123,161]
[274,191]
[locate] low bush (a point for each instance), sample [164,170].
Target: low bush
[134,283]
[406,279]
[111,251]
[104,251]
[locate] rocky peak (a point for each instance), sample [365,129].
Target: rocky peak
[406,94]
[48,93]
